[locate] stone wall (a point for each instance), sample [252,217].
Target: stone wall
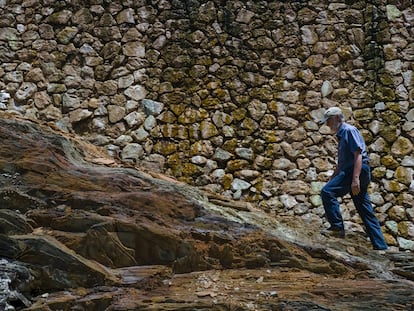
[225,95]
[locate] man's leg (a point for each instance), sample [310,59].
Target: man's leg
[336,187]
[363,205]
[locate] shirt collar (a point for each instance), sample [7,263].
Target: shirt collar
[341,130]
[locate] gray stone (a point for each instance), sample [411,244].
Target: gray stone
[316,200]
[140,134]
[393,66]
[244,16]
[150,123]
[9,34]
[393,13]
[377,199]
[123,140]
[26,90]
[257,109]
[295,187]
[115,113]
[152,107]
[247,174]
[15,76]
[288,201]
[283,164]
[222,155]
[125,82]
[200,160]
[134,49]
[408,161]
[392,226]
[134,119]
[326,88]
[308,35]
[51,113]
[4,97]
[218,174]
[132,151]
[126,16]
[79,114]
[70,101]
[239,184]
[245,153]
[405,244]
[402,146]
[136,92]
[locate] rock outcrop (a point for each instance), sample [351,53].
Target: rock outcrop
[81,231]
[225,95]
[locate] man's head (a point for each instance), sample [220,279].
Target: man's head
[333,117]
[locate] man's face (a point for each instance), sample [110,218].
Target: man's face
[333,123]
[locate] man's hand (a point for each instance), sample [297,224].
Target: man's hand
[355,186]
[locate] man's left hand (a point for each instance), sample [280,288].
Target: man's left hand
[355,187]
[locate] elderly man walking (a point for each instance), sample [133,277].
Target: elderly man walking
[352,175]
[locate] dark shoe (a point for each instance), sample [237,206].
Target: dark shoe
[332,232]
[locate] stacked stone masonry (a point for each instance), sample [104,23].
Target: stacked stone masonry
[226,95]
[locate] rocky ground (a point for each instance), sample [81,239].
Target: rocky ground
[80,231]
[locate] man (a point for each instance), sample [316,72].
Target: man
[352,175]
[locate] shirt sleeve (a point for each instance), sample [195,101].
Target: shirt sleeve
[355,141]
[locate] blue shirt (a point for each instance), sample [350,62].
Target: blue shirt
[350,140]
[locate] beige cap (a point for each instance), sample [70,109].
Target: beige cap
[333,111]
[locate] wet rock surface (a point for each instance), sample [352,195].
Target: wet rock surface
[81,231]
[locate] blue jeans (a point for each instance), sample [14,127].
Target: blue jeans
[339,186]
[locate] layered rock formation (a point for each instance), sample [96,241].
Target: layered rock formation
[80,231]
[225,95]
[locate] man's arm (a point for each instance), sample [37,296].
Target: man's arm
[355,186]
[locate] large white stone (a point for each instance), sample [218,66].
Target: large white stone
[239,184]
[136,92]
